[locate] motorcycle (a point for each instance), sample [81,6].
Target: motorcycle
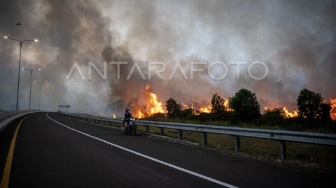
[131,128]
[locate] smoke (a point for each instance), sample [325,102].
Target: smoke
[68,32]
[294,39]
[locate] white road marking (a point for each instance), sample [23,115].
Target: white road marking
[150,158]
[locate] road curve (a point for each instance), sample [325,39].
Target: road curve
[52,151]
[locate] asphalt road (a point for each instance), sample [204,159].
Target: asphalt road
[52,151]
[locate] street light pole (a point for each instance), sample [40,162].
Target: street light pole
[18,85]
[40,96]
[31,75]
[40,93]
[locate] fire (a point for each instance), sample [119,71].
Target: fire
[185,106]
[157,106]
[206,109]
[295,113]
[152,106]
[267,108]
[285,112]
[140,115]
[333,109]
[226,103]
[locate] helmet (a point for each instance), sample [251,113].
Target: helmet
[127,109]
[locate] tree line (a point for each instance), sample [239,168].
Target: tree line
[244,108]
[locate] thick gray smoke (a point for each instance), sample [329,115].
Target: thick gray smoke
[68,32]
[294,39]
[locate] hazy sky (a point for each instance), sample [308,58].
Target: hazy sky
[292,43]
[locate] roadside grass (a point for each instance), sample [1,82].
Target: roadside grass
[255,125]
[313,157]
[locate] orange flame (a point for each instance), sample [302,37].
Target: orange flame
[295,113]
[156,106]
[284,110]
[152,104]
[333,109]
[185,106]
[267,108]
[140,115]
[287,114]
[226,103]
[206,109]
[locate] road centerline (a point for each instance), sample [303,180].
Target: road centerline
[8,165]
[148,157]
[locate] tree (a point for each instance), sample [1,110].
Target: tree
[325,112]
[309,104]
[272,117]
[217,104]
[186,113]
[173,108]
[245,106]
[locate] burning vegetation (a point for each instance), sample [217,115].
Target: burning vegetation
[153,105]
[333,108]
[285,113]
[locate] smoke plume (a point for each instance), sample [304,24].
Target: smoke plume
[294,39]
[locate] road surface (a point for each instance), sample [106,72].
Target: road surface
[52,151]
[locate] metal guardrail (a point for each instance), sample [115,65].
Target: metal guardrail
[6,117]
[7,114]
[278,135]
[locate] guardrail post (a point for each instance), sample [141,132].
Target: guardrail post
[205,138]
[180,134]
[147,129]
[237,143]
[161,130]
[283,150]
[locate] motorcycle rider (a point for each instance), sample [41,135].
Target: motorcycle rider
[127,117]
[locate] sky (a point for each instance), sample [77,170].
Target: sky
[98,56]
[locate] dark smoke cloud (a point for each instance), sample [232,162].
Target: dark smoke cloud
[295,39]
[68,32]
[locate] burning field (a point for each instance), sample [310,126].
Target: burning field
[333,109]
[152,104]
